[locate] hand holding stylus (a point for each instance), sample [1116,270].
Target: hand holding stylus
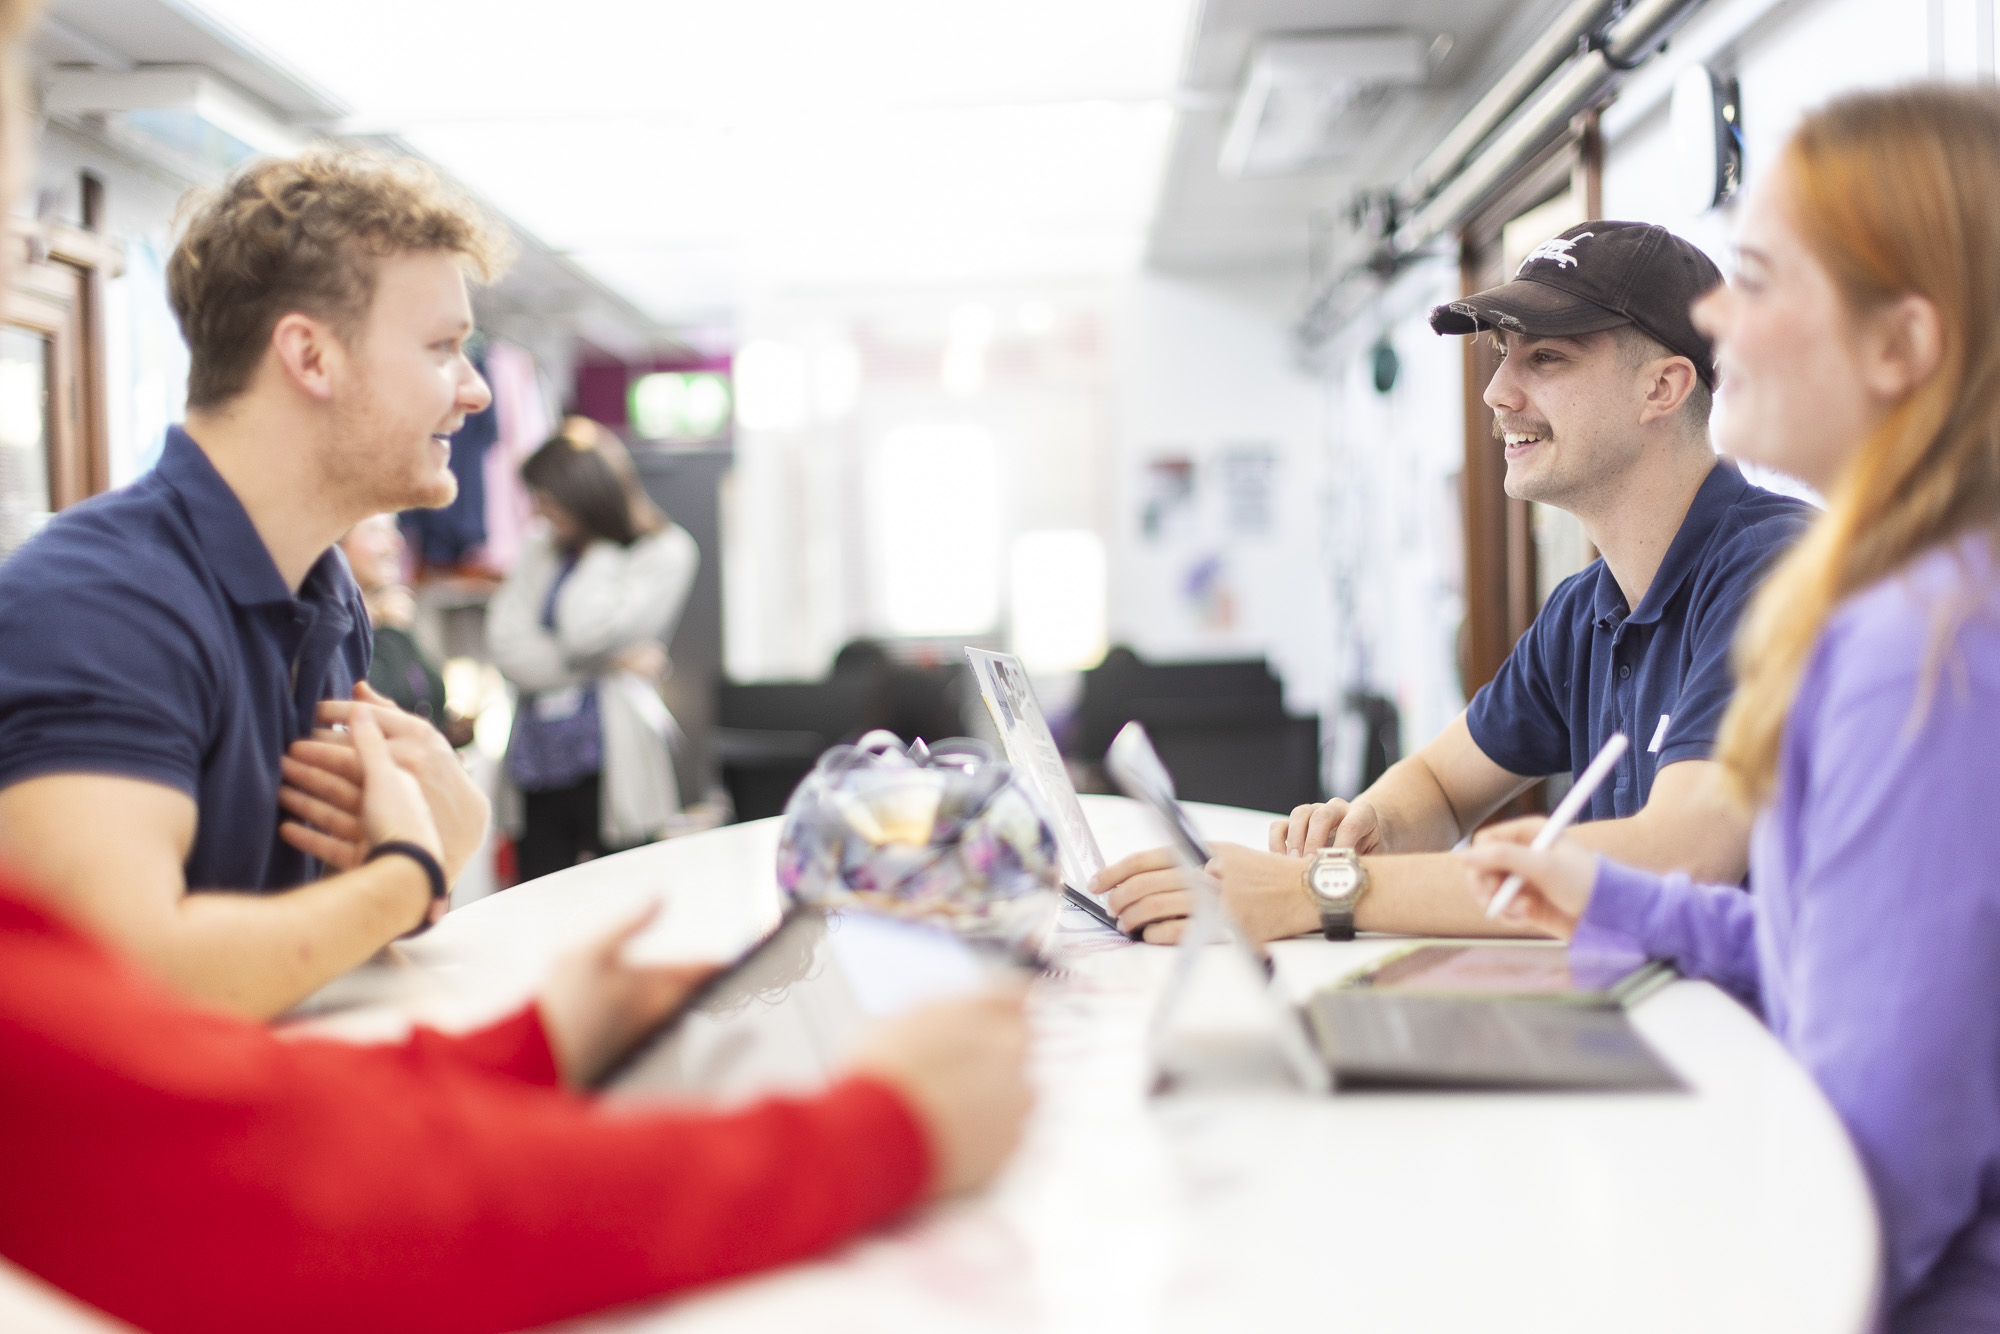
[1562,876]
[1565,814]
[1556,881]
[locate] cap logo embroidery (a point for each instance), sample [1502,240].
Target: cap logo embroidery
[1555,251]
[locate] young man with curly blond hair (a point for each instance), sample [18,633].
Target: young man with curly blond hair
[167,643]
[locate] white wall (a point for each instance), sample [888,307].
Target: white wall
[1201,370]
[1393,555]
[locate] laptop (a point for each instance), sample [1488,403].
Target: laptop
[1031,749]
[1512,1015]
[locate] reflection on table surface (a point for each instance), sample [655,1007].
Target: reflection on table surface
[1739,1208]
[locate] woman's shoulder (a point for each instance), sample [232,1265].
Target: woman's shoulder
[656,554]
[1940,610]
[670,536]
[669,545]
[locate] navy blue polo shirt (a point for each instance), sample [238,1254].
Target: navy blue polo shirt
[147,633]
[1590,666]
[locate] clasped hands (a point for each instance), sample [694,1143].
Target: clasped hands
[1266,893]
[326,787]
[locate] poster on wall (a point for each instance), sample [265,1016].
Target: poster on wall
[1248,475]
[1166,498]
[1208,594]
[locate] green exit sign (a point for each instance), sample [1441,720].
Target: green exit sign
[679,406]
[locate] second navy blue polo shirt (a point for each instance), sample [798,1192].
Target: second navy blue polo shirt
[1590,666]
[148,634]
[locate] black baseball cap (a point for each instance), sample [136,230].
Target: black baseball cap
[1597,276]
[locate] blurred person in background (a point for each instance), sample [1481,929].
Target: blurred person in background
[1860,351]
[398,668]
[579,627]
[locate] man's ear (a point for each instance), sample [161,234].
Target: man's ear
[305,350]
[1667,385]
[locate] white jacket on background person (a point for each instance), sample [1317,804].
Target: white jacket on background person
[615,597]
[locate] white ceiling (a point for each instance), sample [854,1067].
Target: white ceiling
[685,153]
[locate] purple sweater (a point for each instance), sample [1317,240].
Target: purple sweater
[1872,943]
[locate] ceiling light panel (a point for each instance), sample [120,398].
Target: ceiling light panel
[1301,97]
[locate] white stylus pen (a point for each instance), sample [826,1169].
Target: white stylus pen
[1566,813]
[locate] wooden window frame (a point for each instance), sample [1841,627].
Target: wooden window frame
[55,289]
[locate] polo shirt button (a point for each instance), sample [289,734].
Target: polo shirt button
[1625,672]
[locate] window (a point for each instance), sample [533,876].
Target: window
[25,501]
[54,450]
[1056,621]
[934,508]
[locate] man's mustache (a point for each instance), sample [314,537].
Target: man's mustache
[1504,426]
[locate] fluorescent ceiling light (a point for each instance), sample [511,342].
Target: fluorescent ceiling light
[189,110]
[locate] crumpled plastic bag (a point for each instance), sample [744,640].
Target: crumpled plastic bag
[946,835]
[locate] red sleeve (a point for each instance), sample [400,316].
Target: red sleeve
[516,1045]
[187,1171]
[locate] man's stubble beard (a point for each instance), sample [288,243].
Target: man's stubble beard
[371,466]
[1530,480]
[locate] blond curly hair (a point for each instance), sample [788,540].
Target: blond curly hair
[302,234]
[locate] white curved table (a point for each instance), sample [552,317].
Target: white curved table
[1740,1206]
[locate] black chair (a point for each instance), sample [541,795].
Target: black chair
[1112,690]
[1258,762]
[1220,727]
[769,736]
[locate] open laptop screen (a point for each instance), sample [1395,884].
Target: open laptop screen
[1031,749]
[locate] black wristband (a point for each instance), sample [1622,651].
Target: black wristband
[397,847]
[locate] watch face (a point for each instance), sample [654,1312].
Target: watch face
[1336,880]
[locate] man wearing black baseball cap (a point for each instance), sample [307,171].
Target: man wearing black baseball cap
[1601,405]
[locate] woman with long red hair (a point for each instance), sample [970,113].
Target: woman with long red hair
[1859,347]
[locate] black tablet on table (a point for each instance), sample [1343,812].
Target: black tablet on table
[783,1017]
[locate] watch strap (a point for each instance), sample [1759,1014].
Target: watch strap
[1336,920]
[440,890]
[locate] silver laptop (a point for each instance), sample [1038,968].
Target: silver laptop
[1031,749]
